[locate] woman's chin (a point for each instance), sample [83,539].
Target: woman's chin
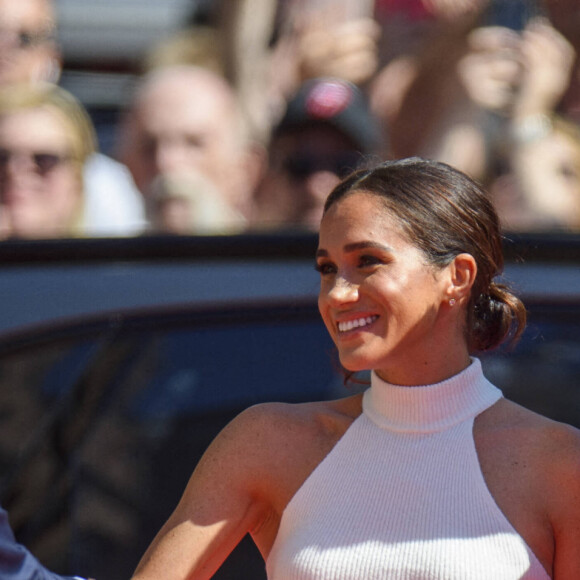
[355,364]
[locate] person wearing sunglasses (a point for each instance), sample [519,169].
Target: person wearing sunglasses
[30,53]
[45,138]
[28,47]
[326,132]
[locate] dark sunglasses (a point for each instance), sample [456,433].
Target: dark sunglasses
[302,166]
[43,162]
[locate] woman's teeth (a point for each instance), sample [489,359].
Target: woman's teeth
[357,323]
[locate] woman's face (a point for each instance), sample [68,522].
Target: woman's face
[379,298]
[40,186]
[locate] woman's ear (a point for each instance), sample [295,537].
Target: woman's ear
[462,271]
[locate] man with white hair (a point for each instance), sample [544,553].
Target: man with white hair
[185,123]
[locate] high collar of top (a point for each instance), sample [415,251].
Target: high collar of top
[430,408]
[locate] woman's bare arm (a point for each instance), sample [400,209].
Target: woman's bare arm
[221,503]
[243,483]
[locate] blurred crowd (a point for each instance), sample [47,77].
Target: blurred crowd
[246,120]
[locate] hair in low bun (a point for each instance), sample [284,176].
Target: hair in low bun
[495,317]
[445,213]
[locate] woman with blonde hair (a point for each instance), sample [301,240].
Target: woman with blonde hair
[46,136]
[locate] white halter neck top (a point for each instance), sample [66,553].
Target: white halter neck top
[401,496]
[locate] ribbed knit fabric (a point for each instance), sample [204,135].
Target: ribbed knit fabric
[401,496]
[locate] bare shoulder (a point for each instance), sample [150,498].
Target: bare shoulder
[242,484]
[553,435]
[275,446]
[549,449]
[554,441]
[271,428]
[532,466]
[556,450]
[268,449]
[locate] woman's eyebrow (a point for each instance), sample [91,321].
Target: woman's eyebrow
[322,253]
[364,245]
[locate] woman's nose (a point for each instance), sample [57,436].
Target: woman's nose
[343,292]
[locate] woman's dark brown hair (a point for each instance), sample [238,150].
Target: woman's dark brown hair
[445,213]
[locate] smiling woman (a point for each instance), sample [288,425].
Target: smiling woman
[439,236]
[406,336]
[431,472]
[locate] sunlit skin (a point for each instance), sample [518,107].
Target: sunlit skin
[371,272]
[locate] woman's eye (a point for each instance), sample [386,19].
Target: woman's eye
[369,261]
[325,268]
